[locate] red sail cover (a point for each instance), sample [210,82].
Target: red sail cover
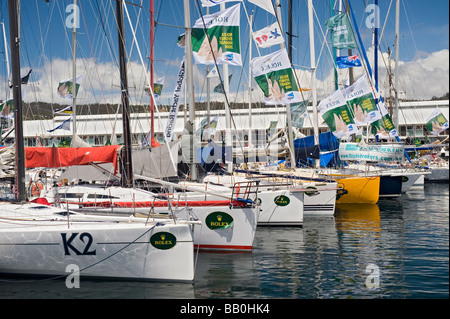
[54,157]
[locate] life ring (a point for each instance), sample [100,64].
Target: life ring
[36,189]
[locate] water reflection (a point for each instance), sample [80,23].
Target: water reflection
[33,288]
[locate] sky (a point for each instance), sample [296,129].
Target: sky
[47,48]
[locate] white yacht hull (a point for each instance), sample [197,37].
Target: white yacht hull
[53,246]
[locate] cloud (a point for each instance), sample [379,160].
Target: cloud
[424,77]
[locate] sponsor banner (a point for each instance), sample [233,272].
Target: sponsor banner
[268,36]
[336,114]
[361,102]
[436,122]
[168,133]
[215,38]
[371,153]
[273,74]
[384,127]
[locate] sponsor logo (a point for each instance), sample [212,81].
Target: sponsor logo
[282,200]
[163,240]
[313,191]
[219,220]
[229,57]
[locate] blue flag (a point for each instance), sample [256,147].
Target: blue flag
[64,126]
[348,61]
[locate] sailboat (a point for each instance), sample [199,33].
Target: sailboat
[37,239]
[300,197]
[228,221]
[351,189]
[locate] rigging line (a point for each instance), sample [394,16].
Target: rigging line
[95,62]
[148,81]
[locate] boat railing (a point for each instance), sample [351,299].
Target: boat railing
[244,194]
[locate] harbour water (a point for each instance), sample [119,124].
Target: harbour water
[397,249]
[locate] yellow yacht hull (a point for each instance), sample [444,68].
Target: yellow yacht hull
[358,189]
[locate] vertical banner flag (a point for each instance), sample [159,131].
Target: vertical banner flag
[65,87]
[344,62]
[384,127]
[264,4]
[273,74]
[341,32]
[268,36]
[335,112]
[361,102]
[436,122]
[222,29]
[173,112]
[211,3]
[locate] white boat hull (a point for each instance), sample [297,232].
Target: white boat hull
[238,236]
[438,174]
[55,247]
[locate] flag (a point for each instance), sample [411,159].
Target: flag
[213,73]
[436,122]
[219,88]
[335,113]
[150,141]
[211,3]
[65,87]
[64,111]
[65,142]
[341,32]
[274,75]
[157,87]
[64,126]
[170,126]
[383,127]
[219,43]
[298,114]
[7,109]
[264,4]
[361,102]
[206,127]
[348,61]
[268,36]
[181,41]
[24,80]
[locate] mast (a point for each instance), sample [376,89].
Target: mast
[14,16]
[290,133]
[208,90]
[375,34]
[336,86]
[290,30]
[74,69]
[152,107]
[313,75]
[190,83]
[397,50]
[126,164]
[250,139]
[350,70]
[8,71]
[226,89]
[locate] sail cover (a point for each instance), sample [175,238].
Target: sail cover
[54,157]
